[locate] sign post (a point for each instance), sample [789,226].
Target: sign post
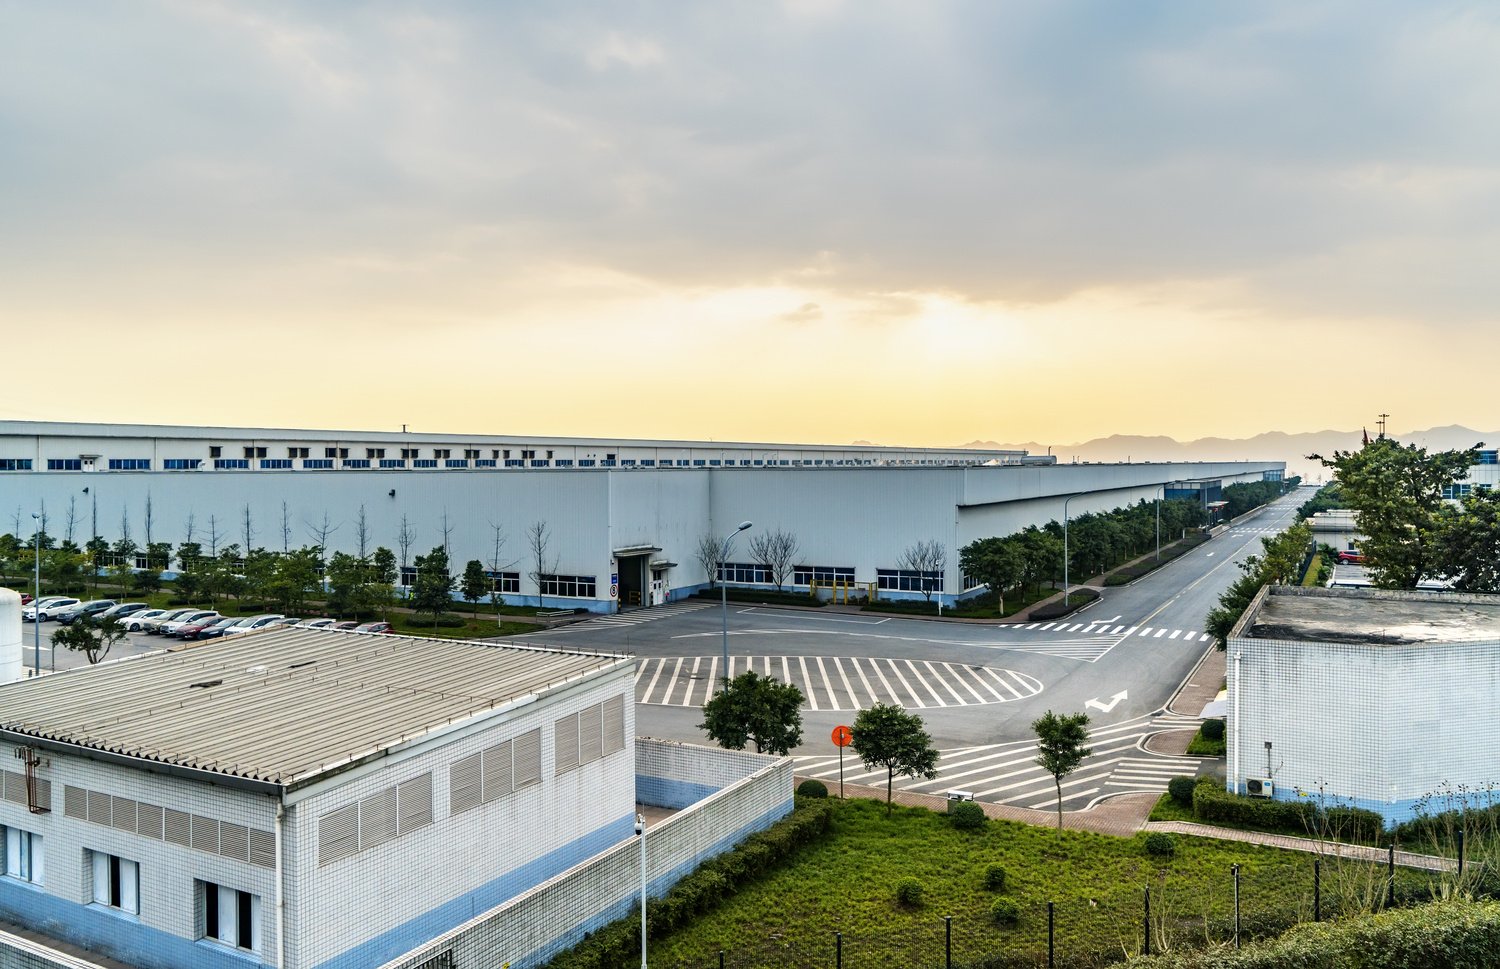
[842,736]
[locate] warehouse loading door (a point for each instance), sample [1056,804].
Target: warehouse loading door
[633,580]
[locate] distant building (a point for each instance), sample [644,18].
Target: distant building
[622,518]
[1363,697]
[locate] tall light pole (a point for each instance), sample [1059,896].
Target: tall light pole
[1158,520]
[1066,594]
[724,598]
[36,614]
[640,831]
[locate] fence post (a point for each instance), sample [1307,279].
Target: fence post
[1147,949]
[1390,885]
[1235,868]
[948,941]
[1460,853]
[1317,890]
[721,959]
[838,950]
[1051,934]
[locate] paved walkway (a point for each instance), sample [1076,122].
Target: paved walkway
[1406,859]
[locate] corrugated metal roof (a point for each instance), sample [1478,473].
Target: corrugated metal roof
[283,707]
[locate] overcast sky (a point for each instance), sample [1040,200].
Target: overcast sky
[922,222]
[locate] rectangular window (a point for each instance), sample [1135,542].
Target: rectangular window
[442,453]
[64,464]
[699,462]
[682,462]
[627,462]
[821,574]
[1489,457]
[408,576]
[540,462]
[255,452]
[648,462]
[568,586]
[181,464]
[392,462]
[564,462]
[528,455]
[505,581]
[231,464]
[608,462]
[215,451]
[117,882]
[374,453]
[456,463]
[317,464]
[275,464]
[1455,491]
[906,580]
[424,463]
[471,454]
[744,572]
[714,462]
[23,855]
[15,464]
[130,464]
[230,916]
[514,463]
[297,452]
[485,463]
[585,462]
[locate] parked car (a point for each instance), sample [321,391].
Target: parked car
[347,624]
[195,630]
[1352,557]
[136,621]
[83,610]
[170,627]
[373,627]
[26,598]
[123,609]
[252,623]
[46,609]
[215,630]
[322,623]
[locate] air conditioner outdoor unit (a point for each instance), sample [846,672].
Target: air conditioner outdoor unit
[1259,787]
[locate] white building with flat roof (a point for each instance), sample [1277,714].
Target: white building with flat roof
[622,518]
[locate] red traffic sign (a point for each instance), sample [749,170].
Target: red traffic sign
[842,736]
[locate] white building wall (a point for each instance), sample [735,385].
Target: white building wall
[361,910]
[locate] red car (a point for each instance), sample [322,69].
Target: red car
[1352,557]
[26,598]
[373,627]
[346,624]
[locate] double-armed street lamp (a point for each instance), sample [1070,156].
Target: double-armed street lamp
[724,590]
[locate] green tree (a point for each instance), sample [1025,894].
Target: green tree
[475,584]
[1396,492]
[293,579]
[887,736]
[433,590]
[1279,564]
[755,709]
[92,638]
[1469,549]
[1060,747]
[999,563]
[382,588]
[159,555]
[345,577]
[146,581]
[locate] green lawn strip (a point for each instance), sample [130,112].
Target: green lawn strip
[482,628]
[1167,809]
[762,597]
[1310,577]
[985,606]
[847,883]
[1201,746]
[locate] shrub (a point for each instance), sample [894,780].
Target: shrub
[1056,610]
[994,878]
[1181,789]
[1212,803]
[1159,844]
[1213,729]
[966,815]
[909,892]
[1005,912]
[1353,824]
[812,788]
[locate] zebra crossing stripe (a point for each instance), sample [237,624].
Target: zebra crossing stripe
[687,698]
[812,697]
[1175,634]
[1048,626]
[652,688]
[963,681]
[1159,633]
[1145,630]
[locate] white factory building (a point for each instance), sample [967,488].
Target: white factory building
[622,517]
[1379,699]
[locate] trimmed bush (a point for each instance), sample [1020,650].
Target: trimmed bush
[1056,610]
[966,815]
[1353,824]
[1181,789]
[909,892]
[1214,804]
[994,878]
[1159,844]
[811,788]
[1213,729]
[1005,912]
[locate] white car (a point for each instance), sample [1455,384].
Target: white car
[316,623]
[252,623]
[48,611]
[136,621]
[170,627]
[153,625]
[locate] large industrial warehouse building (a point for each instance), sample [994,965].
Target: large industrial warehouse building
[622,517]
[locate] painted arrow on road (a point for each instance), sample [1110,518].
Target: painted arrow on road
[1103,707]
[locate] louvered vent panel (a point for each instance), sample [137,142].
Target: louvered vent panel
[527,758]
[178,828]
[206,834]
[43,793]
[464,790]
[148,820]
[590,742]
[76,802]
[614,725]
[124,813]
[338,834]
[497,771]
[234,841]
[13,786]
[262,848]
[377,818]
[98,808]
[565,743]
[414,803]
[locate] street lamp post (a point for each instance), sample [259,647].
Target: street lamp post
[640,831]
[1158,520]
[724,598]
[1066,594]
[36,652]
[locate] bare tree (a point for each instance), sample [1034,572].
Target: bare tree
[362,534]
[125,526]
[213,536]
[16,522]
[538,538]
[707,553]
[42,519]
[447,536]
[250,531]
[72,518]
[150,522]
[321,531]
[286,530]
[188,527]
[925,557]
[405,538]
[777,551]
[495,563]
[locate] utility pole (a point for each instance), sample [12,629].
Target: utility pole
[1381,424]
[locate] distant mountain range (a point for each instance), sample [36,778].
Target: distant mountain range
[1270,446]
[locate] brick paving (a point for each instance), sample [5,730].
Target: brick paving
[1406,859]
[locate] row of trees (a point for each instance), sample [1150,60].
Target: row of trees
[1279,563]
[1096,542]
[1242,497]
[1412,532]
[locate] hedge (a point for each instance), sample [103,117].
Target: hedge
[619,942]
[1212,803]
[1057,609]
[1454,934]
[763,597]
[1177,549]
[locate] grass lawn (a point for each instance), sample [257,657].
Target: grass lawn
[981,607]
[1310,577]
[1169,810]
[483,627]
[1201,746]
[847,883]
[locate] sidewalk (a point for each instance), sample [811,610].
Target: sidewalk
[1406,859]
